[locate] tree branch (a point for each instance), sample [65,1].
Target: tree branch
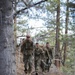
[71,5]
[24,2]
[17,12]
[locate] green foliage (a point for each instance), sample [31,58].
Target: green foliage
[70,62]
[71,4]
[21,26]
[52,6]
[46,36]
[22,22]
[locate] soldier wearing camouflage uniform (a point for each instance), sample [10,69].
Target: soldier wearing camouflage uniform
[49,49]
[48,60]
[37,56]
[44,59]
[27,50]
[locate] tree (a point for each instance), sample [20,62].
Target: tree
[72,5]
[57,47]
[66,32]
[28,5]
[57,44]
[7,51]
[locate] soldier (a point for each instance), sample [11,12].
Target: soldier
[49,49]
[27,50]
[48,60]
[37,56]
[44,59]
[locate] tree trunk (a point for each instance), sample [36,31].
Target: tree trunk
[7,52]
[66,31]
[15,26]
[57,46]
[15,33]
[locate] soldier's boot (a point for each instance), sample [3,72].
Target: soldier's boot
[36,73]
[43,69]
[25,70]
[48,69]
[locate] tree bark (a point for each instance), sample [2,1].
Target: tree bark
[57,48]
[57,45]
[7,52]
[15,26]
[66,31]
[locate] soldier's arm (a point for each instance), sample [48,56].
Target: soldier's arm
[42,53]
[51,52]
[48,54]
[31,46]
[22,47]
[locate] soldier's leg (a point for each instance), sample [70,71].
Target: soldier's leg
[42,66]
[25,68]
[35,65]
[48,64]
[25,63]
[30,67]
[30,64]
[38,64]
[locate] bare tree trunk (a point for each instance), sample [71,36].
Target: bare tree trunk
[15,34]
[7,52]
[57,46]
[15,27]
[66,31]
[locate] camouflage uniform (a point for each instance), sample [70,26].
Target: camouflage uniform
[50,52]
[27,50]
[38,56]
[50,56]
[44,59]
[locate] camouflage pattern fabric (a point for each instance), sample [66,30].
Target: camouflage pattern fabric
[37,55]
[27,50]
